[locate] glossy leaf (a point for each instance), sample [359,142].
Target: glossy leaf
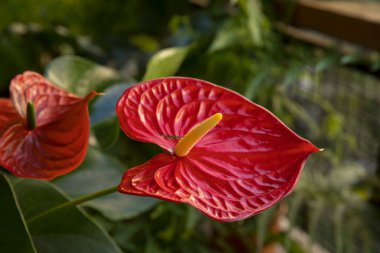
[80,76]
[105,124]
[107,132]
[165,62]
[58,143]
[14,235]
[104,107]
[106,171]
[244,165]
[64,231]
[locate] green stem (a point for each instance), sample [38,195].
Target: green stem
[30,116]
[73,202]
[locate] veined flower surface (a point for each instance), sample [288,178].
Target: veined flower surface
[242,166]
[58,142]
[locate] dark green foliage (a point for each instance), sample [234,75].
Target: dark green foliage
[67,230]
[14,235]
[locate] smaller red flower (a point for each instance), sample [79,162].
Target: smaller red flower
[225,155]
[44,129]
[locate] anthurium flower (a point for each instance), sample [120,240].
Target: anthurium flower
[44,129]
[225,155]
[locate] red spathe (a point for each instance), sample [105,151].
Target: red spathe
[247,163]
[58,143]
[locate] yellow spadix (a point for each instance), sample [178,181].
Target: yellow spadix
[190,139]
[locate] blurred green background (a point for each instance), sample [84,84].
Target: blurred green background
[326,95]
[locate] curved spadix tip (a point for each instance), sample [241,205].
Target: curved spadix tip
[92,95]
[218,116]
[190,139]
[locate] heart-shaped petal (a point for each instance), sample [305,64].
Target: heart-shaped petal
[58,143]
[8,115]
[49,100]
[244,165]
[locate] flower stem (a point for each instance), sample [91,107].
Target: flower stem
[73,202]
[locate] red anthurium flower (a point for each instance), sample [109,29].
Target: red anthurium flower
[44,130]
[226,156]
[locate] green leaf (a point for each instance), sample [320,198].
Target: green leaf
[300,113]
[233,33]
[256,83]
[104,107]
[80,76]
[326,62]
[349,59]
[165,62]
[100,171]
[64,231]
[255,19]
[105,124]
[14,235]
[107,132]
